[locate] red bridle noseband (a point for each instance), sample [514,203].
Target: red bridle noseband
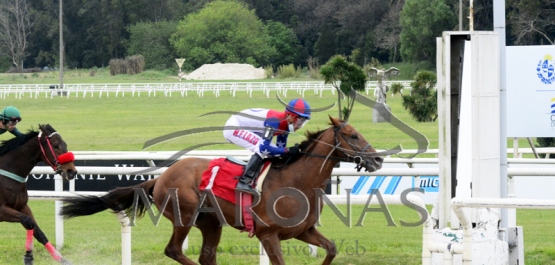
[58,160]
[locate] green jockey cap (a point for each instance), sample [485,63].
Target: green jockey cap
[9,113]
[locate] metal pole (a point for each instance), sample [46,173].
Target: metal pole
[61,49]
[533,148]
[499,27]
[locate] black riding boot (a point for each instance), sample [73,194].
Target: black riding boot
[250,173]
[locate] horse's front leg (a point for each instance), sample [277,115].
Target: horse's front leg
[28,257]
[29,223]
[8,214]
[314,237]
[272,246]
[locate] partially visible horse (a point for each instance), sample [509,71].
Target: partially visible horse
[292,189]
[18,156]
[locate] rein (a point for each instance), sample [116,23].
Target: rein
[357,159]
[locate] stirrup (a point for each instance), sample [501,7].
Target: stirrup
[246,188]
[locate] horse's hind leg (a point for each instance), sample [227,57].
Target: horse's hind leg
[273,248]
[211,230]
[314,237]
[174,249]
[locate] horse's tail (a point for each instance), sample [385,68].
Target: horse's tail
[119,199]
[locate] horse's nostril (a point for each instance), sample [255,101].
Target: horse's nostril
[71,172]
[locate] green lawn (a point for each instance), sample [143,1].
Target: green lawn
[97,240]
[126,123]
[102,75]
[79,76]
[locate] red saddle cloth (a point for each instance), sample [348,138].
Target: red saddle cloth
[221,177]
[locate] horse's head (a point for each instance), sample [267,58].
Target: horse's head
[351,145]
[54,152]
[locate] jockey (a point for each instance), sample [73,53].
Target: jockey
[253,129]
[10,117]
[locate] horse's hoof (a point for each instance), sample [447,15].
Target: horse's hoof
[28,259]
[65,262]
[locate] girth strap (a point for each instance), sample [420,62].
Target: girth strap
[13,176]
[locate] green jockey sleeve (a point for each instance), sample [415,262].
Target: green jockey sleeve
[16,132]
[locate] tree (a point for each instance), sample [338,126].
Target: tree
[285,41]
[223,31]
[388,31]
[422,21]
[546,142]
[422,100]
[275,10]
[343,76]
[44,38]
[357,19]
[531,22]
[151,40]
[88,40]
[324,48]
[4,64]
[16,22]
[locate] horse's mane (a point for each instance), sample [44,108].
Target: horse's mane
[310,137]
[8,145]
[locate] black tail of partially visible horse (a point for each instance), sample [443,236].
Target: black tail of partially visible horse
[117,200]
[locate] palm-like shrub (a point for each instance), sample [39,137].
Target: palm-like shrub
[546,142]
[421,102]
[344,76]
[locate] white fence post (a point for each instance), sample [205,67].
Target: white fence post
[59,187]
[125,238]
[18,90]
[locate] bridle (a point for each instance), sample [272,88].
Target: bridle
[356,159]
[58,160]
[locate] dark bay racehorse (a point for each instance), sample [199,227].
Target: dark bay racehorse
[18,156]
[290,190]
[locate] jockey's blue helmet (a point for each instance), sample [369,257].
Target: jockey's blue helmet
[299,107]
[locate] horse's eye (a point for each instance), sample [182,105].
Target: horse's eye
[354,136]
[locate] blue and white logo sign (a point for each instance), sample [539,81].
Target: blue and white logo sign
[552,116]
[545,69]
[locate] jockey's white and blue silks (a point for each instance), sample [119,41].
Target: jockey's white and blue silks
[246,128]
